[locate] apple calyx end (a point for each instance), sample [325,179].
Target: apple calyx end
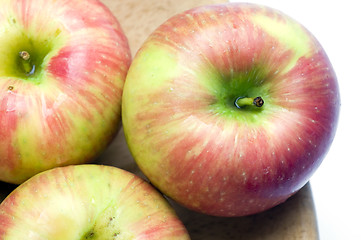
[241,102]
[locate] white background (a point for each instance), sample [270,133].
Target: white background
[336,184]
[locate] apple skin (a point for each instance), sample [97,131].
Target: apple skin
[184,130]
[69,110]
[88,202]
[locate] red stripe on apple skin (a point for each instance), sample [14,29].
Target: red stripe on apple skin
[8,124]
[317,99]
[79,82]
[27,9]
[169,227]
[217,172]
[236,47]
[6,219]
[91,56]
[92,83]
[157,222]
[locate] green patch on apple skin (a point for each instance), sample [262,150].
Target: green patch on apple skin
[248,84]
[155,64]
[290,34]
[108,225]
[40,46]
[157,72]
[89,235]
[93,235]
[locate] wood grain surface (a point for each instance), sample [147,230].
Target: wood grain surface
[294,219]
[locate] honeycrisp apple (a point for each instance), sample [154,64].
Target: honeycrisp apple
[88,202]
[63,68]
[229,109]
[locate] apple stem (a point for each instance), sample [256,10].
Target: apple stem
[26,62]
[246,101]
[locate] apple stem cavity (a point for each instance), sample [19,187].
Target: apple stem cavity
[246,101]
[28,67]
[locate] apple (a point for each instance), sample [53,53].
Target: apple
[88,202]
[63,68]
[229,109]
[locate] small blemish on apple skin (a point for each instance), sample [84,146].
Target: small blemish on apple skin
[89,235]
[10,88]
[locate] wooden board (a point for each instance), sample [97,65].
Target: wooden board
[294,219]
